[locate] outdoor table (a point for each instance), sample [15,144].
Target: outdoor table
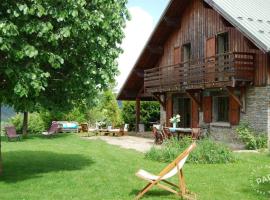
[185,131]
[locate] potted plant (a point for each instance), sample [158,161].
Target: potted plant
[174,120]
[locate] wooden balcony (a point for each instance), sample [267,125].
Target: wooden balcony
[228,69]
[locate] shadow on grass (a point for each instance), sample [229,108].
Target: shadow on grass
[38,136]
[22,165]
[151,193]
[57,135]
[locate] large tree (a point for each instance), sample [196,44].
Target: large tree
[56,53]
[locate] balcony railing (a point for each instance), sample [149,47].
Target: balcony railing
[221,70]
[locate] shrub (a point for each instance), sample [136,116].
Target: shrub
[250,138]
[35,123]
[206,152]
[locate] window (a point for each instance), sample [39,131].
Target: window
[182,106]
[223,60]
[186,52]
[221,109]
[222,43]
[186,55]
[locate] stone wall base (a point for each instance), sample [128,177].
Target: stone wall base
[226,135]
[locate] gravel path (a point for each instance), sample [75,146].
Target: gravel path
[128,142]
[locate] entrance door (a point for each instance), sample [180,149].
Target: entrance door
[185,112]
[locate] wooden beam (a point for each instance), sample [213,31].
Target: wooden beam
[158,98]
[194,98]
[235,97]
[169,109]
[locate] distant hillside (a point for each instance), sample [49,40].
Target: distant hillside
[6,113]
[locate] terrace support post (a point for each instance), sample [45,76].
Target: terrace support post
[138,114]
[169,109]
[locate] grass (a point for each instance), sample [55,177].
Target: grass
[68,167]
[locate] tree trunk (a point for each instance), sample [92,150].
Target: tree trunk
[25,124]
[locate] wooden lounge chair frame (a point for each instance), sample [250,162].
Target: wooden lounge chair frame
[181,187]
[167,133]
[196,133]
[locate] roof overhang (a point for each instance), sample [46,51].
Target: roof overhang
[150,55]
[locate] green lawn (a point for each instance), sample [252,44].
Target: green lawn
[68,167]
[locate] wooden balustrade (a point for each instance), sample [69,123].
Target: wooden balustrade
[218,71]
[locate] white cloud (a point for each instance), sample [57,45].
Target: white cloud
[137,32]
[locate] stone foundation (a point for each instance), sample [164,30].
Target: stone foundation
[258,109]
[257,114]
[226,134]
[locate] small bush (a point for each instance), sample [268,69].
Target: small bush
[250,138]
[206,152]
[35,123]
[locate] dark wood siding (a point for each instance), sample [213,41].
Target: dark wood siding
[198,23]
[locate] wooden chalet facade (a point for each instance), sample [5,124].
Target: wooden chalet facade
[199,64]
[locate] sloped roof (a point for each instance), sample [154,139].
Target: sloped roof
[250,17]
[149,55]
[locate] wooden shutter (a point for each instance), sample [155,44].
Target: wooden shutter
[210,53]
[207,109]
[210,47]
[176,56]
[169,109]
[195,114]
[234,112]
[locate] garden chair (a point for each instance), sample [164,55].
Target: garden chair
[176,167]
[196,133]
[84,128]
[11,133]
[52,130]
[158,136]
[167,133]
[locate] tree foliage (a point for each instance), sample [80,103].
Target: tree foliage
[58,52]
[150,112]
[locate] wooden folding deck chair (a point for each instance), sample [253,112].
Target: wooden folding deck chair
[176,167]
[52,130]
[11,133]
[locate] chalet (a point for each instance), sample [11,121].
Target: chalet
[209,61]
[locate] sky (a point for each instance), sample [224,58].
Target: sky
[144,17]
